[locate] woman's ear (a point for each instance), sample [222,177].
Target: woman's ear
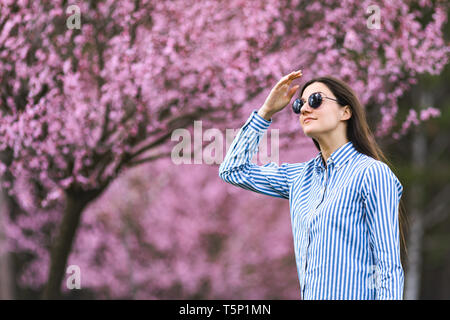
[347,114]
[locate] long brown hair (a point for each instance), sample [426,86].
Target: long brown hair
[359,133]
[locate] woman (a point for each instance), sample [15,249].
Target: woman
[344,203]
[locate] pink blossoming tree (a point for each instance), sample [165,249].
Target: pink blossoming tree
[80,107]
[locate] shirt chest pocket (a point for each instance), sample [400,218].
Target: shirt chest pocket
[331,194]
[343,201]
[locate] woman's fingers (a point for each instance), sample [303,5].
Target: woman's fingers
[289,78]
[292,91]
[295,75]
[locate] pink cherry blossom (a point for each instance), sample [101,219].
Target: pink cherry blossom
[85,109]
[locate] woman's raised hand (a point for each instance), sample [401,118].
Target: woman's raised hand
[280,95]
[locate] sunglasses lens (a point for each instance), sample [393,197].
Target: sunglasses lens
[297,105]
[315,100]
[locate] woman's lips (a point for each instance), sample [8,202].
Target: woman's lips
[308,120]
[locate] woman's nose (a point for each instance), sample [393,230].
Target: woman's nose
[305,108]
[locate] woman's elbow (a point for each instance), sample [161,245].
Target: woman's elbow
[225,175]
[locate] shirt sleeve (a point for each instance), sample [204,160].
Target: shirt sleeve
[382,192]
[237,168]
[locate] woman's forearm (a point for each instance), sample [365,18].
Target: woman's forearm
[262,112]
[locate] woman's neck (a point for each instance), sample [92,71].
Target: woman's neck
[327,147]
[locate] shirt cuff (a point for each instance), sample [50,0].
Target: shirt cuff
[258,123]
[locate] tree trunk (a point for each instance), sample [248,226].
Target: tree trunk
[5,264]
[75,203]
[413,276]
[417,230]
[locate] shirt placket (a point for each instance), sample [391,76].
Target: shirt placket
[324,181]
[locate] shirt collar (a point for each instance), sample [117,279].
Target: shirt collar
[339,157]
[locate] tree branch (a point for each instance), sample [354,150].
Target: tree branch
[147,159]
[174,123]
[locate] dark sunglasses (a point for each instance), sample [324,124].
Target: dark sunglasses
[314,100]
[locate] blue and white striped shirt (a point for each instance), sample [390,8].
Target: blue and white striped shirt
[344,216]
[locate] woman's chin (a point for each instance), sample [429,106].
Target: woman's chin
[308,133]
